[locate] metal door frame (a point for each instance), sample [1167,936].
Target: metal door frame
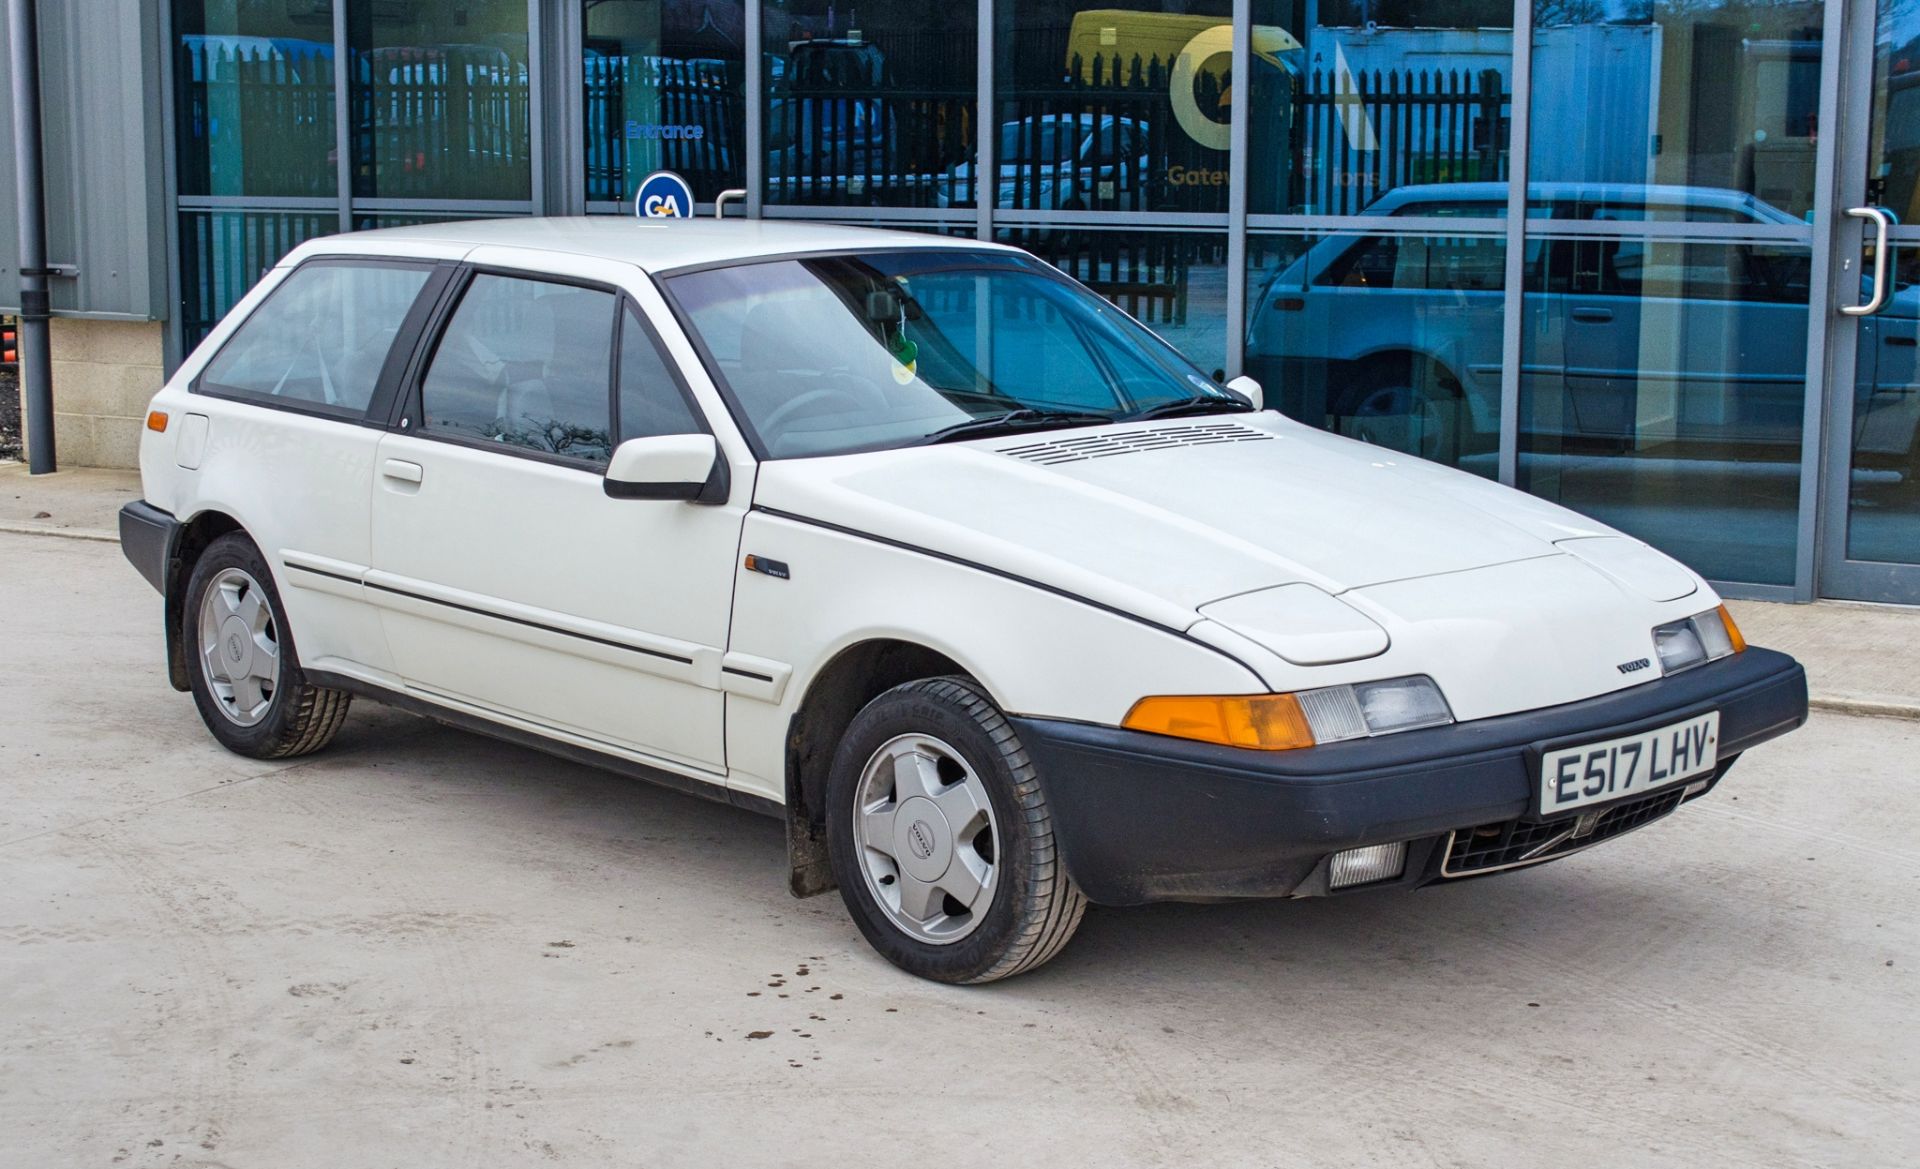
[1845,182]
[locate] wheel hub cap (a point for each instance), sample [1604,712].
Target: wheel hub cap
[239,647]
[928,844]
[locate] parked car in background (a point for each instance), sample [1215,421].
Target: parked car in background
[1396,338]
[1061,162]
[996,601]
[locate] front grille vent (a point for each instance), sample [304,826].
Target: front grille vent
[1108,443]
[1521,842]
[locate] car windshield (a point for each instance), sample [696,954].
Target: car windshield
[834,354]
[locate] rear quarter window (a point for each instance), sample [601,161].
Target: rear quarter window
[319,340]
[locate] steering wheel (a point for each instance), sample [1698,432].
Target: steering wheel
[807,398]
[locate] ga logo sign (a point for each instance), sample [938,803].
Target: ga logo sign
[663,195]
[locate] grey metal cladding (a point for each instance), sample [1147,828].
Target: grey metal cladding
[101,108]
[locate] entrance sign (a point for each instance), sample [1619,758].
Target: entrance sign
[663,195]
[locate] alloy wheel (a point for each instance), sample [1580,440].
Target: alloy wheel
[926,837]
[239,646]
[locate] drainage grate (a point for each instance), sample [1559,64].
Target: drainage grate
[1126,442]
[1521,842]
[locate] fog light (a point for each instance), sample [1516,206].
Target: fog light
[1363,866]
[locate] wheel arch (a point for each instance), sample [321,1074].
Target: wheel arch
[195,536]
[854,676]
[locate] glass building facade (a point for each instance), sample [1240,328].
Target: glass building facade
[1596,249]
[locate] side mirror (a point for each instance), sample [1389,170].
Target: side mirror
[668,466]
[1249,389]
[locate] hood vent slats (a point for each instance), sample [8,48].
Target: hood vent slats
[1126,442]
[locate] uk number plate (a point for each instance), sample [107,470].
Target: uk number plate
[1573,777]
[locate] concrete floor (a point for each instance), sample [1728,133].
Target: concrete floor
[422,948]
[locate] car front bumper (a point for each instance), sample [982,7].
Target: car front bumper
[1142,818]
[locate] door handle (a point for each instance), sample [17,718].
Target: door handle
[1593,315]
[1881,222]
[402,470]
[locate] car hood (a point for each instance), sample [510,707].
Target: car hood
[1158,519]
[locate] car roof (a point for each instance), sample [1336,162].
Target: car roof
[1625,193]
[653,245]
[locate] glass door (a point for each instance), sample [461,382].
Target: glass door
[1870,544]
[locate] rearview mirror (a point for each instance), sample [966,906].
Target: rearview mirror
[1249,389]
[668,466]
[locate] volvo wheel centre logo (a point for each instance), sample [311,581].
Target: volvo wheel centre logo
[920,839]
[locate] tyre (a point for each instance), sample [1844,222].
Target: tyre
[241,664]
[1406,405]
[941,840]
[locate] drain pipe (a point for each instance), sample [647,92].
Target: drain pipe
[36,378]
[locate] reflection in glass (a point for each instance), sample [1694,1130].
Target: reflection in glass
[870,106]
[1120,106]
[440,100]
[1663,390]
[1353,99]
[665,88]
[254,100]
[527,364]
[1391,339]
[223,253]
[1679,93]
[1174,281]
[1893,170]
[1883,507]
[832,354]
[319,339]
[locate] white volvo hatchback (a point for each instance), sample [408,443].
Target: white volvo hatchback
[923,547]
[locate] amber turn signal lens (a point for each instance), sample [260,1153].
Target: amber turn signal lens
[1733,631]
[157,421]
[1263,722]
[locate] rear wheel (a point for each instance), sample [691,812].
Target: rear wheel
[241,665]
[941,839]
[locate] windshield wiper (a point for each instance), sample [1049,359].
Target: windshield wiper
[1025,418]
[1191,406]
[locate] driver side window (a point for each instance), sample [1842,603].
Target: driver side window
[528,364]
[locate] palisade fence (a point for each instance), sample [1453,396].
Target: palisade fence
[1363,134]
[429,123]
[842,130]
[223,253]
[254,119]
[441,123]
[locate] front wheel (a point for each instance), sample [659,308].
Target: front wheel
[941,838]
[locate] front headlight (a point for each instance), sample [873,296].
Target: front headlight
[1284,722]
[1697,640]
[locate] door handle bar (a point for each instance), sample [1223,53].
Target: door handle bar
[1881,223]
[402,470]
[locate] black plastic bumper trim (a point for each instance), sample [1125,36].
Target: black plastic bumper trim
[1142,817]
[147,538]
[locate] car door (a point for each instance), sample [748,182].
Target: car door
[1696,340]
[510,583]
[277,436]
